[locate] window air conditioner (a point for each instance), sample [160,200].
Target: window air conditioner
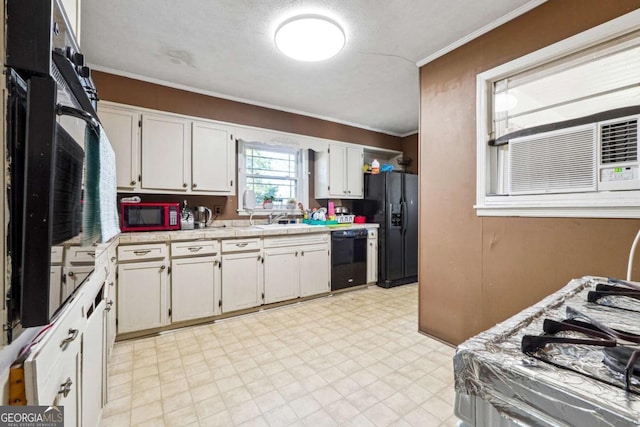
[599,156]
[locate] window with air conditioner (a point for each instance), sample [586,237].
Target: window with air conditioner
[558,129]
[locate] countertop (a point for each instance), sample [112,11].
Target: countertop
[234,231]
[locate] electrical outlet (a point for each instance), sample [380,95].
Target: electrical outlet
[217,210]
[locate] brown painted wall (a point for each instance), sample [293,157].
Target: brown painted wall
[477,271]
[149,95]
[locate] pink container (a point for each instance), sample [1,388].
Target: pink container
[331,209]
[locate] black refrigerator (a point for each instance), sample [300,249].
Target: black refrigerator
[391,200]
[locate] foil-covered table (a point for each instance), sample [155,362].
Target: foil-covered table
[525,390]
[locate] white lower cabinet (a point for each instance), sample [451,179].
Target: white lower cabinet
[67,365]
[280,274]
[315,270]
[93,365]
[72,277]
[53,374]
[143,291]
[142,296]
[55,288]
[296,266]
[372,255]
[55,279]
[111,302]
[241,281]
[194,283]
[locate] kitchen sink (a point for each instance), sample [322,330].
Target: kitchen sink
[282,226]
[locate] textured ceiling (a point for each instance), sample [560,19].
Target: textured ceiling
[226,48]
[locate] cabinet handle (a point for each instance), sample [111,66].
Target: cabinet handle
[111,283]
[113,259]
[259,258]
[163,267]
[91,254]
[296,253]
[241,245]
[142,252]
[65,387]
[194,185]
[109,305]
[132,183]
[70,274]
[184,185]
[216,262]
[195,248]
[302,253]
[73,334]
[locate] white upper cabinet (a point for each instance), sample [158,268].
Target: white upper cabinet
[338,172]
[212,159]
[169,153]
[123,130]
[353,172]
[165,153]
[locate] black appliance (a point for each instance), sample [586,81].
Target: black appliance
[51,109]
[391,200]
[348,258]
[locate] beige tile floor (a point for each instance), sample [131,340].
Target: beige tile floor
[351,359]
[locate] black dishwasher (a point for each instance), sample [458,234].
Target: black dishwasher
[348,258]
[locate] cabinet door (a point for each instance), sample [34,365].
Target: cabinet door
[372,257]
[72,278]
[166,153]
[353,172]
[281,274]
[69,386]
[337,165]
[142,296]
[55,288]
[212,159]
[314,270]
[241,281]
[111,301]
[193,288]
[122,128]
[92,366]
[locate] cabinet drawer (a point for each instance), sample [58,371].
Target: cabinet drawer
[196,248]
[56,255]
[240,245]
[296,240]
[44,367]
[81,255]
[142,252]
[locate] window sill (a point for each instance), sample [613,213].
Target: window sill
[621,204]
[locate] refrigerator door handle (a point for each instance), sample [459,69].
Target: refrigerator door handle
[404,214]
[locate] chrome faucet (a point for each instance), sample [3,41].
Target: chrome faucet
[275,217]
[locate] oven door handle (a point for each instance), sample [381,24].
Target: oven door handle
[65,110]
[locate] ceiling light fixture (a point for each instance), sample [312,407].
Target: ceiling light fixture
[309,38]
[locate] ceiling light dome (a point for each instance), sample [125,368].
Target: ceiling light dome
[309,38]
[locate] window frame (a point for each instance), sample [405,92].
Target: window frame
[303,176]
[617,204]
